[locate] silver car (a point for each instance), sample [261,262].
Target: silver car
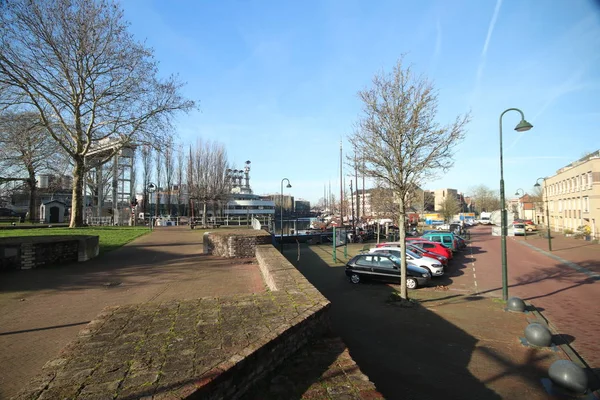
[431,264]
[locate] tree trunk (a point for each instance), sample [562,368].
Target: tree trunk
[32,195]
[402,240]
[77,200]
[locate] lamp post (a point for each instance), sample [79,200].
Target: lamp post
[521,127]
[537,184]
[522,194]
[281,205]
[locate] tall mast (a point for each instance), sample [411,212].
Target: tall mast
[341,189]
[356,188]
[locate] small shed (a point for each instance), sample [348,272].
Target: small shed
[52,212]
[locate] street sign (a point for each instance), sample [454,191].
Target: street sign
[151,187]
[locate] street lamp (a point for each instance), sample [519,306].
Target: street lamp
[521,127]
[288,186]
[519,194]
[537,184]
[522,194]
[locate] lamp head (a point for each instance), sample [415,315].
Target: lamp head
[523,126]
[536,185]
[517,193]
[288,186]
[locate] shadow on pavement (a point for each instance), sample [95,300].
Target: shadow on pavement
[407,352]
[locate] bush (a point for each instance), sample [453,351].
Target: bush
[568,231]
[584,230]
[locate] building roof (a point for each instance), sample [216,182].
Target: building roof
[587,157]
[54,201]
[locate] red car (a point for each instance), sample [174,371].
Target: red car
[433,247]
[422,252]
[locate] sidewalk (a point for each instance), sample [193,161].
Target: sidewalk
[567,250]
[450,344]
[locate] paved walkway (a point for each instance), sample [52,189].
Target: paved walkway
[451,344]
[42,310]
[567,250]
[565,292]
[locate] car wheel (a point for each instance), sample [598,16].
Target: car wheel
[428,269]
[411,283]
[354,278]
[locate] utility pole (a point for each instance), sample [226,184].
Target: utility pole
[341,189]
[363,189]
[357,195]
[352,212]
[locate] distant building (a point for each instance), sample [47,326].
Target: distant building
[573,195]
[441,195]
[302,206]
[523,207]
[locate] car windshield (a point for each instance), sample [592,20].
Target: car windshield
[519,226]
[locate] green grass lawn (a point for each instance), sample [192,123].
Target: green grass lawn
[110,237]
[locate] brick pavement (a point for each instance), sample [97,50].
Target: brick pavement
[449,344]
[578,251]
[566,297]
[161,349]
[42,310]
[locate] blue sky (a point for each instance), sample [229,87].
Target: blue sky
[277,81]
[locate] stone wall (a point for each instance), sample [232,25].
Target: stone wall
[37,251]
[239,243]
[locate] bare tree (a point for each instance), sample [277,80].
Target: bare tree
[96,180]
[25,150]
[159,180]
[207,175]
[146,160]
[399,139]
[485,199]
[75,64]
[449,207]
[179,178]
[169,165]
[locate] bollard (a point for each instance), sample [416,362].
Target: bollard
[568,375]
[515,304]
[538,335]
[205,242]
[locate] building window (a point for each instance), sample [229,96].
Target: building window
[589,180]
[560,206]
[586,204]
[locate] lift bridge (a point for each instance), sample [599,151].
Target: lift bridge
[116,209]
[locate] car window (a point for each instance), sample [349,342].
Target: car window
[446,239]
[395,253]
[366,260]
[413,254]
[427,245]
[385,262]
[436,239]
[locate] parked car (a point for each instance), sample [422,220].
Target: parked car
[433,247]
[519,229]
[462,243]
[529,225]
[445,238]
[422,252]
[443,227]
[434,267]
[384,268]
